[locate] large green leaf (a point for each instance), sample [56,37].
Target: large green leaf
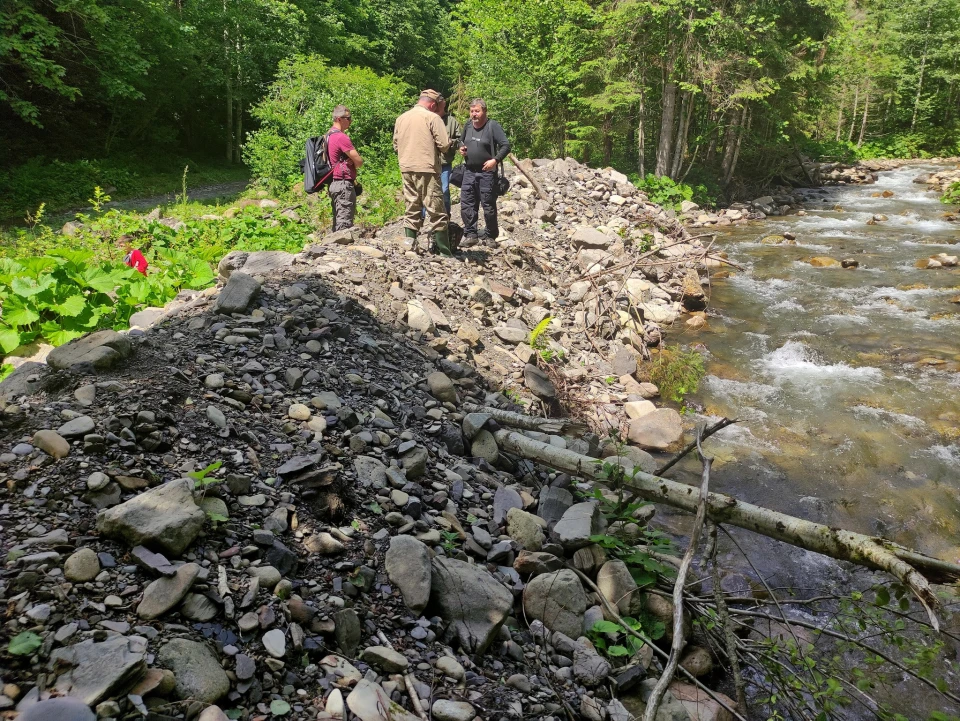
[23,644]
[28,287]
[19,315]
[9,340]
[102,279]
[57,334]
[71,306]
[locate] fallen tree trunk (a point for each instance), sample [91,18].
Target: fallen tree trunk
[554,426]
[914,569]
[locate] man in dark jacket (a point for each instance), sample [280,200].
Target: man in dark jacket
[484,146]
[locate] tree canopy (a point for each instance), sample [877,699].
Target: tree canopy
[694,89]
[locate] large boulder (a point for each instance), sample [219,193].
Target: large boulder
[658,430]
[96,351]
[472,601]
[164,518]
[408,566]
[256,263]
[584,237]
[558,601]
[197,670]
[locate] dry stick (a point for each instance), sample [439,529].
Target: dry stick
[407,681]
[528,176]
[653,703]
[613,613]
[729,638]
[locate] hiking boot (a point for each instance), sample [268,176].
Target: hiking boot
[469,241]
[441,243]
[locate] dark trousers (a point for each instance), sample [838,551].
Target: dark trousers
[479,188]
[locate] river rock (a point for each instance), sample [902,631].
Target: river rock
[504,499]
[558,601]
[539,382]
[408,566]
[275,643]
[578,524]
[534,563]
[441,387]
[526,529]
[697,660]
[824,262]
[589,667]
[97,671]
[585,237]
[97,351]
[386,659]
[80,426]
[553,503]
[164,518]
[165,593]
[198,673]
[617,585]
[82,566]
[347,630]
[51,443]
[237,295]
[449,666]
[670,707]
[657,430]
[699,705]
[472,601]
[197,607]
[445,710]
[369,702]
[484,446]
[64,708]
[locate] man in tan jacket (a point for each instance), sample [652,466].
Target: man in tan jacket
[419,137]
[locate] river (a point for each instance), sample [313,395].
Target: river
[845,380]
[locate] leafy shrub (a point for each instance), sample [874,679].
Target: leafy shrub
[299,104]
[952,195]
[669,193]
[677,372]
[66,293]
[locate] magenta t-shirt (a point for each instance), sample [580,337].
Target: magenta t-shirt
[337,148]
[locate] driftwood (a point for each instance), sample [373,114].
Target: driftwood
[408,681]
[553,426]
[913,569]
[533,181]
[676,646]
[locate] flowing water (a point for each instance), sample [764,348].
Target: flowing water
[846,380]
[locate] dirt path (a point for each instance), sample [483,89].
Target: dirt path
[204,192]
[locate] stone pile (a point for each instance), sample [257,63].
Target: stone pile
[939,181]
[287,499]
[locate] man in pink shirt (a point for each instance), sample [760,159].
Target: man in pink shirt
[345,161]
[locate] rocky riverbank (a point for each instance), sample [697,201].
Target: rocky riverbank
[284,499]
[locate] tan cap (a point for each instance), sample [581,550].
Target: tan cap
[432,94]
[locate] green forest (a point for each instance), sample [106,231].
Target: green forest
[120,92]
[115,99]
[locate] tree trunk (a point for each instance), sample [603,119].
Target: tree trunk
[667,119]
[238,138]
[229,135]
[923,63]
[853,115]
[744,126]
[680,147]
[866,111]
[843,98]
[641,138]
[731,145]
[872,552]
[607,140]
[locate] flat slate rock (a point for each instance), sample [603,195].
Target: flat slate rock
[100,670]
[97,351]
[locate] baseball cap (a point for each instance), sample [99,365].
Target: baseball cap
[432,94]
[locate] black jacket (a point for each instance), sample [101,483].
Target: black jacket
[484,143]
